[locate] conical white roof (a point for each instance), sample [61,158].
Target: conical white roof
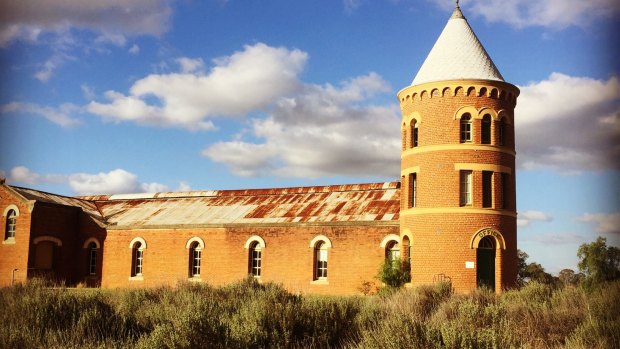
[457,54]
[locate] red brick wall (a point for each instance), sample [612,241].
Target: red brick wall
[14,256]
[354,258]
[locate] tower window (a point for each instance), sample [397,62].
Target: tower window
[465,128]
[502,132]
[485,132]
[11,222]
[256,262]
[413,189]
[137,257]
[465,188]
[414,134]
[505,192]
[487,189]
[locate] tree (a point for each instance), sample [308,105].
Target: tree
[598,262]
[521,267]
[532,272]
[569,277]
[394,273]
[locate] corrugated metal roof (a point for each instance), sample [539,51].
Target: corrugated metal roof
[376,202]
[88,206]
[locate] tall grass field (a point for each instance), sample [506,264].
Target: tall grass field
[253,315]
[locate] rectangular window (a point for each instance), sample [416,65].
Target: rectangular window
[92,261]
[415,136]
[138,263]
[465,128]
[465,188]
[505,191]
[487,189]
[413,189]
[256,262]
[321,264]
[196,262]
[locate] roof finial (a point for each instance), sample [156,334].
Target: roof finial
[457,12]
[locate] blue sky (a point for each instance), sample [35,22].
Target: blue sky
[135,95]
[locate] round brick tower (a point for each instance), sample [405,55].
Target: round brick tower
[458,207]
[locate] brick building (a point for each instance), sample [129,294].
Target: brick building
[451,217]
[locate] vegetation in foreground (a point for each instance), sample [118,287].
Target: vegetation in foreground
[253,315]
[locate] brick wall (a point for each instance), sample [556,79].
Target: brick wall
[14,254]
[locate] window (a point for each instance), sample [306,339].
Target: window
[11,220]
[195,255]
[92,258]
[465,188]
[465,128]
[320,256]
[392,251]
[487,189]
[256,263]
[413,189]
[505,191]
[137,259]
[502,132]
[485,132]
[414,134]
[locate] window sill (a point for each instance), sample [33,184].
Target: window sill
[195,279]
[319,282]
[136,278]
[9,241]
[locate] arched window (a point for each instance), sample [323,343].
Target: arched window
[320,257]
[466,128]
[255,263]
[414,133]
[485,132]
[92,258]
[11,220]
[502,132]
[137,258]
[392,251]
[195,255]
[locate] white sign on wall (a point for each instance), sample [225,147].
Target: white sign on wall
[469,265]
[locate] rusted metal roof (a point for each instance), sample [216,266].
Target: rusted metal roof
[376,202]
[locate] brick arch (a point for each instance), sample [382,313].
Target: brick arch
[414,116]
[484,232]
[252,239]
[321,238]
[386,240]
[89,240]
[140,240]
[11,207]
[467,109]
[200,242]
[49,238]
[503,114]
[483,111]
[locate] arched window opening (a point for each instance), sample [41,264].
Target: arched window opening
[406,257]
[256,259]
[320,256]
[465,188]
[466,128]
[11,222]
[392,251]
[414,133]
[485,132]
[195,256]
[137,253]
[92,258]
[483,92]
[502,132]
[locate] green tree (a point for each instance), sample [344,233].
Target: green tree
[394,273]
[522,267]
[569,277]
[599,262]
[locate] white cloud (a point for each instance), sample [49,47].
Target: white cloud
[184,186]
[190,65]
[606,223]
[555,14]
[117,181]
[60,116]
[26,19]
[134,50]
[243,82]
[322,131]
[569,124]
[525,218]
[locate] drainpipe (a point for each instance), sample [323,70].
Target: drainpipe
[13,277]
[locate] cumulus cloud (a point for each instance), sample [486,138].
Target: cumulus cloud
[190,65]
[547,239]
[113,19]
[60,115]
[117,181]
[237,84]
[605,223]
[569,124]
[134,50]
[525,218]
[553,14]
[322,131]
